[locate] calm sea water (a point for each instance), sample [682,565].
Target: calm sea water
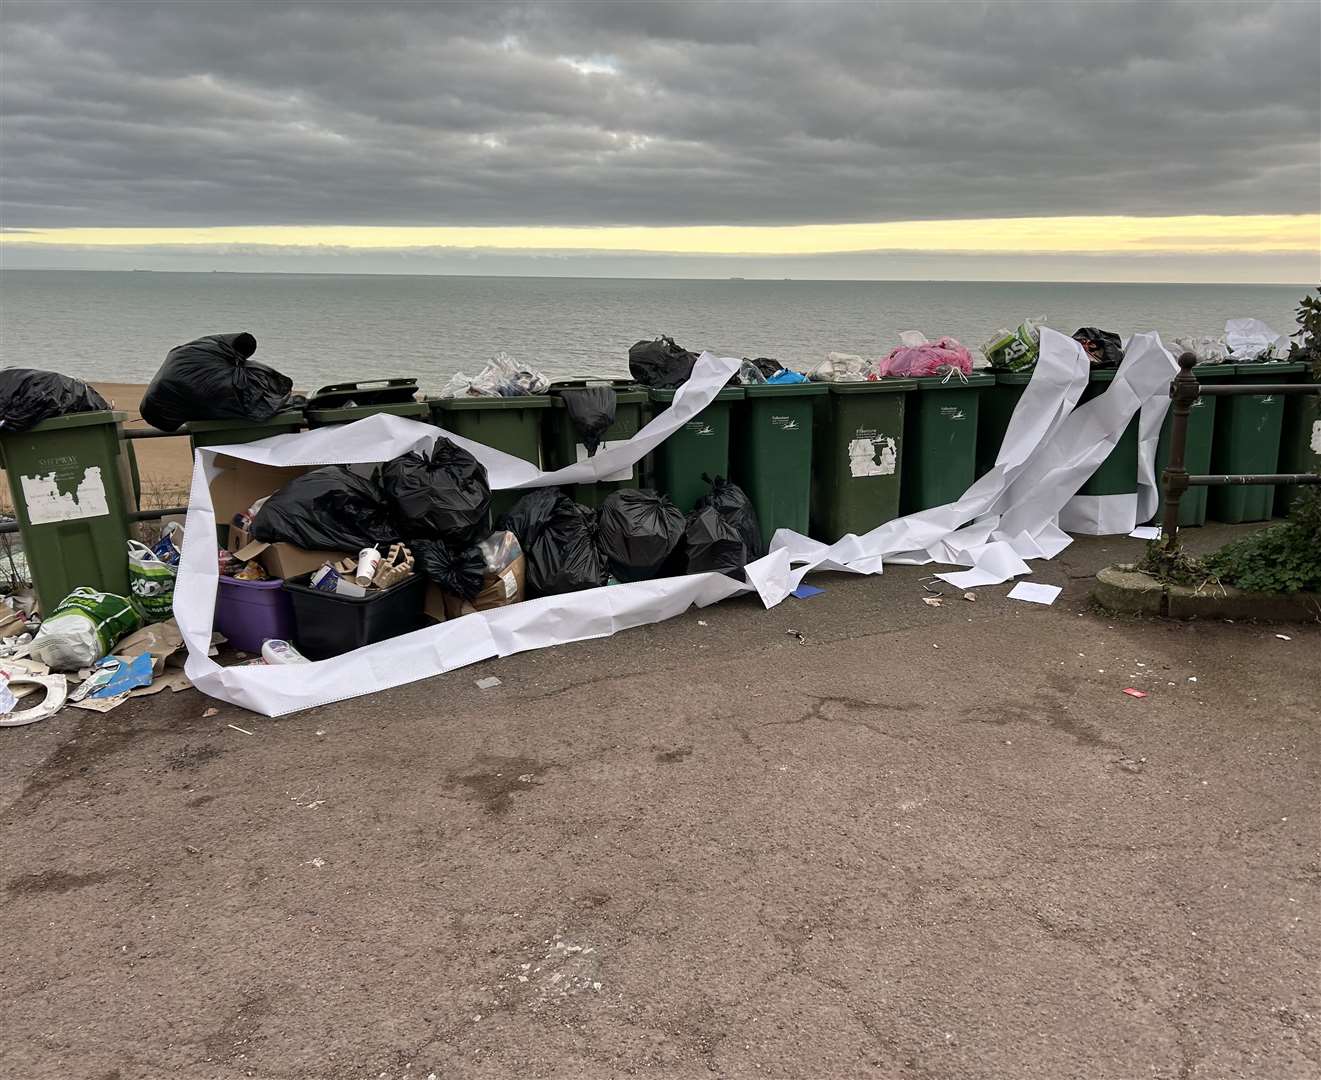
[320,329]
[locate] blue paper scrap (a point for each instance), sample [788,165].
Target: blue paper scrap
[803,592]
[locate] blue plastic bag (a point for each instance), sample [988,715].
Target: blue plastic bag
[784,375]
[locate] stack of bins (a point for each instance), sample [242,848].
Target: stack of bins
[1247,440]
[858,461]
[71,500]
[1197,447]
[772,455]
[700,447]
[941,422]
[510,424]
[561,445]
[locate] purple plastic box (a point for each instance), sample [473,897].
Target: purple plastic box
[251,612]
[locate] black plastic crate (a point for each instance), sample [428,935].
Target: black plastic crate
[328,624]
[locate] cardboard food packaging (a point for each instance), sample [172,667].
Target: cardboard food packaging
[498,589]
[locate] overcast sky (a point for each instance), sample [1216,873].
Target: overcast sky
[485,114]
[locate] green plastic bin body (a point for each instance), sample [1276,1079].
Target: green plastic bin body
[771,457]
[1197,448]
[226,432]
[1300,444]
[994,409]
[413,410]
[940,440]
[700,446]
[511,424]
[562,446]
[1118,473]
[858,456]
[1247,440]
[67,481]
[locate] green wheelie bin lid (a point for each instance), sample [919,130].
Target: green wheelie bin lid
[561,445]
[700,447]
[413,410]
[940,439]
[1248,428]
[225,432]
[1197,447]
[771,455]
[857,459]
[69,481]
[508,424]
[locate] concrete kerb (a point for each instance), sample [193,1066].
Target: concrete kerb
[1127,590]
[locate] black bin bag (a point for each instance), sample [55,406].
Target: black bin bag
[214,378]
[443,497]
[638,531]
[558,538]
[722,534]
[591,411]
[331,508]
[458,571]
[661,363]
[1102,347]
[29,396]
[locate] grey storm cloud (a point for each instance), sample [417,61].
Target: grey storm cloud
[140,114]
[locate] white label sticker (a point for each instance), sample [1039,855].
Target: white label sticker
[1316,436]
[873,456]
[624,474]
[68,494]
[511,584]
[952,413]
[699,428]
[785,423]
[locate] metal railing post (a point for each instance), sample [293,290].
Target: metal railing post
[1174,479]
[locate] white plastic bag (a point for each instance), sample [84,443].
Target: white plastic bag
[1252,339]
[841,367]
[1208,350]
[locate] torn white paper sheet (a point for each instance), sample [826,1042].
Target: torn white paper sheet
[1034,592]
[1146,532]
[971,532]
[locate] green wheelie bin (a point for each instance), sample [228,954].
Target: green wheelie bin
[343,403]
[1247,440]
[940,439]
[68,485]
[510,424]
[858,456]
[994,410]
[202,433]
[1118,473]
[1197,447]
[772,457]
[562,445]
[1300,443]
[700,446]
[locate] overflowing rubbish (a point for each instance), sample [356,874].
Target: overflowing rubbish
[29,396]
[1014,350]
[558,537]
[1207,350]
[151,579]
[458,572]
[638,532]
[591,410]
[56,689]
[1252,340]
[278,652]
[918,358]
[502,377]
[660,364]
[722,534]
[785,376]
[333,508]
[841,367]
[502,581]
[1103,348]
[214,378]
[83,628]
[442,497]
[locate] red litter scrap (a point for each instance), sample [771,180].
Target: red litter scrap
[1134,693]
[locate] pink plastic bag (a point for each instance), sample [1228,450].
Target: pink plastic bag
[933,358]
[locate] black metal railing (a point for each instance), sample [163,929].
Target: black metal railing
[1175,480]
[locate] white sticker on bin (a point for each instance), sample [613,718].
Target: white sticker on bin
[65,494]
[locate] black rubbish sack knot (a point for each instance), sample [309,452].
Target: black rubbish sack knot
[213,378]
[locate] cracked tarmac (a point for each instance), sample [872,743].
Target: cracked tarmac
[928,843]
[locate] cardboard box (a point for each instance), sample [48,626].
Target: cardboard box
[498,590]
[434,604]
[236,487]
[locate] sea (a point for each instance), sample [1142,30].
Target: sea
[319,329]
